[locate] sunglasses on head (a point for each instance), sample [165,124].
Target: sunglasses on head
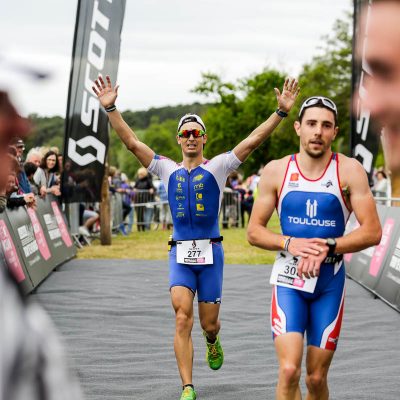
[187,132]
[312,101]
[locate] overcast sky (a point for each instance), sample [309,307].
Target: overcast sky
[166,44]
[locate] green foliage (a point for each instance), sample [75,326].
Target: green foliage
[142,119]
[47,131]
[161,137]
[121,157]
[329,74]
[156,127]
[240,107]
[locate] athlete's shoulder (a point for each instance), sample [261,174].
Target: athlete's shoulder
[225,154]
[349,163]
[162,166]
[351,171]
[274,172]
[277,166]
[159,157]
[228,161]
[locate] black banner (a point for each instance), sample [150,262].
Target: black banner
[95,51]
[364,141]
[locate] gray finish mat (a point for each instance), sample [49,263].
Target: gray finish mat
[117,324]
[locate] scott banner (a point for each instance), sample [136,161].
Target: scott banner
[95,51]
[364,138]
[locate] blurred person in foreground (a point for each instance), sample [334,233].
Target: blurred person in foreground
[32,359]
[382,54]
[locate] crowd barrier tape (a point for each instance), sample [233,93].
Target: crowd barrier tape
[35,242]
[377,268]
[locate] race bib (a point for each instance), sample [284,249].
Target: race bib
[194,252]
[284,273]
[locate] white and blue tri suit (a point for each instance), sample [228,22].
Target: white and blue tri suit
[312,209]
[195,199]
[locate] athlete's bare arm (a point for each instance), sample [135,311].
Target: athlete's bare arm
[286,100]
[257,232]
[362,203]
[107,96]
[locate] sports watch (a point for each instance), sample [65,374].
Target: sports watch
[331,242]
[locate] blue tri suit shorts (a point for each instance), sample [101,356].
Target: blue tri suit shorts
[206,280]
[319,314]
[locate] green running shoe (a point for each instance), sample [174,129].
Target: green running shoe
[188,394]
[214,354]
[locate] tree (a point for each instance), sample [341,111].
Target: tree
[329,74]
[47,131]
[239,107]
[160,137]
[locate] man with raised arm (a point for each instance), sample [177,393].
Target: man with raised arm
[195,187]
[314,192]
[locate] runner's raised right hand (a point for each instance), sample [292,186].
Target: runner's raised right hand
[105,92]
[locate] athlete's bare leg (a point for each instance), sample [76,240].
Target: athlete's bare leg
[208,315]
[182,302]
[289,349]
[318,362]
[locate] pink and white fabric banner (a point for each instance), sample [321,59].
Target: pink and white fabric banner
[381,249]
[10,253]
[39,235]
[61,224]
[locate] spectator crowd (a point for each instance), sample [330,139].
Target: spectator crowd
[144,199]
[37,172]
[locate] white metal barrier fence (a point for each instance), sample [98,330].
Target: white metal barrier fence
[149,212]
[382,198]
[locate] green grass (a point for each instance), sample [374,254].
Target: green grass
[152,245]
